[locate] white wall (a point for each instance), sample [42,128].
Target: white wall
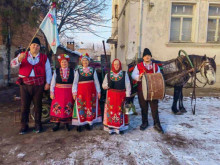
[156,31]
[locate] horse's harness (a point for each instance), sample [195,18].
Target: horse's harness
[193,72]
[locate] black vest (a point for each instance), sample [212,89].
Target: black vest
[120,84]
[59,79]
[85,78]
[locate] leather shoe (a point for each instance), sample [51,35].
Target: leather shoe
[56,127]
[38,129]
[158,128]
[79,129]
[67,127]
[143,126]
[23,130]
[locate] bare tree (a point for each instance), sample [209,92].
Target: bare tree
[77,14]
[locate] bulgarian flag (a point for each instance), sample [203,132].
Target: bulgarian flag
[49,27]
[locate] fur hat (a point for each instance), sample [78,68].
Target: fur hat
[147,52]
[36,41]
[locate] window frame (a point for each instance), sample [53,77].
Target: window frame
[193,17]
[217,29]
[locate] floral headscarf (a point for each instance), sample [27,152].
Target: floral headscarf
[113,68]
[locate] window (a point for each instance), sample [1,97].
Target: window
[213,33]
[181,23]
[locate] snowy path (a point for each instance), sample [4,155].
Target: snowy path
[189,139]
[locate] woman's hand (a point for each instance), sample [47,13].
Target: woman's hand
[74,97]
[52,96]
[99,96]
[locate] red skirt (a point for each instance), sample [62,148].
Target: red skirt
[62,105]
[86,109]
[114,118]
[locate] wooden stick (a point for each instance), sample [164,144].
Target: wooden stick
[32,39]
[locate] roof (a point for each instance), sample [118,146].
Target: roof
[69,50]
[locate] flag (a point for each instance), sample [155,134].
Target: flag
[49,27]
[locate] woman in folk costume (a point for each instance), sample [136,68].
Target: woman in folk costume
[118,88]
[86,92]
[61,94]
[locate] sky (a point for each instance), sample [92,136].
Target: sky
[85,38]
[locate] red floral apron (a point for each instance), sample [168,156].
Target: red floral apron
[86,109]
[114,117]
[62,106]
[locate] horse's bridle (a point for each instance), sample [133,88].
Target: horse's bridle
[204,65]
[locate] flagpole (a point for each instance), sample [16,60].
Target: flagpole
[53,5]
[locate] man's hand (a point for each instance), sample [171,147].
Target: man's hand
[74,97]
[52,96]
[21,57]
[140,76]
[46,87]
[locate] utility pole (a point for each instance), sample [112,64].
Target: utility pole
[140,28]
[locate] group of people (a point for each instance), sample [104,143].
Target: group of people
[75,94]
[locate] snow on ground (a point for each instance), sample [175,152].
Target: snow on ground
[188,140]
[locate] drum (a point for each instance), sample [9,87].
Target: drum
[153,86]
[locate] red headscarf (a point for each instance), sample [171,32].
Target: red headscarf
[113,68]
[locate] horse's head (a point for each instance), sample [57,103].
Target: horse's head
[208,69]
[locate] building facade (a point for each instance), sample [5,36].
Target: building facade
[165,27]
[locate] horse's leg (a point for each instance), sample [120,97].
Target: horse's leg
[176,97]
[181,107]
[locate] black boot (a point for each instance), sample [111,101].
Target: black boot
[67,127]
[158,128]
[144,125]
[23,129]
[56,127]
[121,132]
[38,129]
[89,127]
[79,129]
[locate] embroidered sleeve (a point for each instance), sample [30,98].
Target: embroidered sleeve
[127,85]
[48,71]
[135,74]
[96,80]
[75,83]
[53,82]
[105,82]
[15,63]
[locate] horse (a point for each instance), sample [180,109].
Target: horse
[177,72]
